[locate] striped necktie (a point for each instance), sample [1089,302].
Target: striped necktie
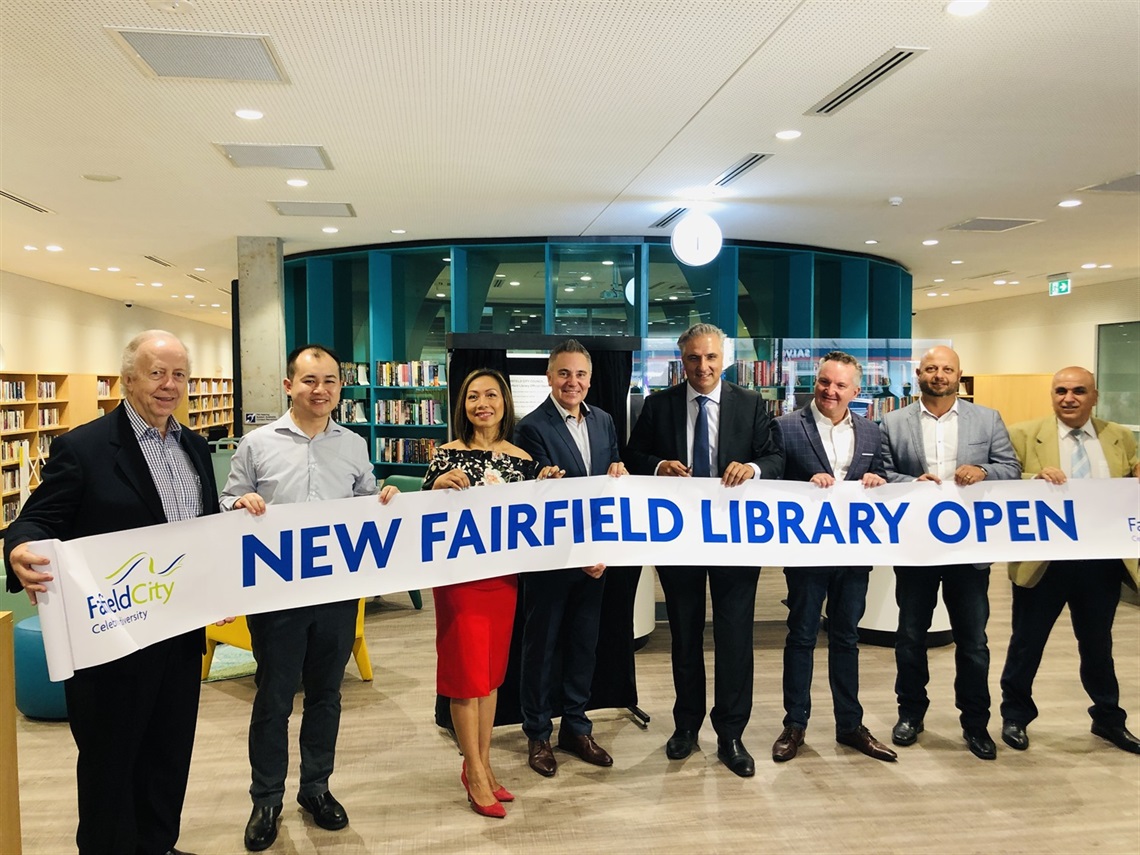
[1080,465]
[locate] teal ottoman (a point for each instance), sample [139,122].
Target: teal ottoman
[36,696]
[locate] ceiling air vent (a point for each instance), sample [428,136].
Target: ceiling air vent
[278,156]
[991,224]
[160,261]
[1127,184]
[40,209]
[197,278]
[872,75]
[739,168]
[993,274]
[314,209]
[201,56]
[668,218]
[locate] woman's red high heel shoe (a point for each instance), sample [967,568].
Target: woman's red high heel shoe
[495,811]
[502,794]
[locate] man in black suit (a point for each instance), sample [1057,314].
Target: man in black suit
[562,608]
[133,719]
[824,443]
[708,428]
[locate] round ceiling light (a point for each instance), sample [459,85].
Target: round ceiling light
[696,239]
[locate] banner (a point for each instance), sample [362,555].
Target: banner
[116,593]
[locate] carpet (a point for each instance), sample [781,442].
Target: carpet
[230,662]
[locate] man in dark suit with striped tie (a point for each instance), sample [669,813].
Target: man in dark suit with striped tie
[712,429]
[824,443]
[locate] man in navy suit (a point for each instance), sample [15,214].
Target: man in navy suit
[941,438]
[825,443]
[133,719]
[713,429]
[562,608]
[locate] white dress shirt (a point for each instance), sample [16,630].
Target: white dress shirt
[1066,445]
[577,427]
[838,441]
[940,440]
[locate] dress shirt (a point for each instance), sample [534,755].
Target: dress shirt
[282,465]
[1098,463]
[838,441]
[940,440]
[179,487]
[577,427]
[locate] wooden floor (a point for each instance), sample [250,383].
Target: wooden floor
[398,775]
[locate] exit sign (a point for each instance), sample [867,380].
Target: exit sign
[1057,287]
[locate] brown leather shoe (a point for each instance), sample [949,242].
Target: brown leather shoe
[541,757]
[584,746]
[861,739]
[787,744]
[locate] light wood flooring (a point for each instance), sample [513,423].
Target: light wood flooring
[398,775]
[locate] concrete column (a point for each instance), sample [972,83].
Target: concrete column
[260,325]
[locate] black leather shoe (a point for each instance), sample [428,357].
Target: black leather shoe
[1014,735]
[327,812]
[681,744]
[261,830]
[736,757]
[979,742]
[905,731]
[1118,736]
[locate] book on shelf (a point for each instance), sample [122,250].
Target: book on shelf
[354,374]
[399,411]
[11,419]
[404,450]
[351,412]
[13,390]
[419,372]
[45,389]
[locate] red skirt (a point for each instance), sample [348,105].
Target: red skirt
[473,625]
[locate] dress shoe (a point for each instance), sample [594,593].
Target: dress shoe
[327,812]
[979,742]
[736,757]
[1118,736]
[681,744]
[495,811]
[1014,735]
[584,746]
[787,744]
[261,830]
[861,740]
[540,756]
[905,731]
[502,794]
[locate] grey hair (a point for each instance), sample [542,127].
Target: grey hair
[844,359]
[131,351]
[697,330]
[571,345]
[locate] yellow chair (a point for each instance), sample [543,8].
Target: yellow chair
[236,634]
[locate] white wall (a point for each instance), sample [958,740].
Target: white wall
[1034,334]
[49,328]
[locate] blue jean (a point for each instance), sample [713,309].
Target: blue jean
[845,589]
[965,590]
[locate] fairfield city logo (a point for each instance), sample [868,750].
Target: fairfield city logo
[135,585]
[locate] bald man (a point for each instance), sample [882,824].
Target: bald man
[1069,444]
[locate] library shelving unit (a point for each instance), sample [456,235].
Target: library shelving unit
[108,392]
[210,405]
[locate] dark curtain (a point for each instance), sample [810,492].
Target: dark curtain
[609,387]
[463,362]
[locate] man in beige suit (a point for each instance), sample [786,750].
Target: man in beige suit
[1069,444]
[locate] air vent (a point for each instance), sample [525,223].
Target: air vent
[280,156]
[871,76]
[314,209]
[40,209]
[197,278]
[668,218]
[160,261]
[993,274]
[739,168]
[1127,184]
[991,224]
[201,56]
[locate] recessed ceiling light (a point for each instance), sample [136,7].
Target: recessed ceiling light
[248,115]
[200,269]
[966,8]
[113,269]
[201,305]
[96,269]
[586,278]
[173,296]
[515,282]
[939,280]
[944,294]
[224,312]
[102,178]
[189,296]
[500,276]
[51,247]
[608,263]
[31,248]
[215,305]
[1104,266]
[672,296]
[447,258]
[297,182]
[399,231]
[141,284]
[999,281]
[1069,203]
[788,135]
[440,294]
[524,321]
[931,293]
[870,242]
[1014,282]
[1089,266]
[569,289]
[155,284]
[534,316]
[930,242]
[956,261]
[330,230]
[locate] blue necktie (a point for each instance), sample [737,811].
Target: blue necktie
[701,441]
[1080,465]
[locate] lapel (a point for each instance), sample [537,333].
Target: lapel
[559,429]
[724,429]
[866,442]
[965,428]
[815,441]
[1046,446]
[679,407]
[916,437]
[130,461]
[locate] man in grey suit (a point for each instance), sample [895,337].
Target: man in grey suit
[711,429]
[823,442]
[940,437]
[563,608]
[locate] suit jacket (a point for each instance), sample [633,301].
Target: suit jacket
[544,435]
[97,481]
[1037,448]
[804,455]
[745,435]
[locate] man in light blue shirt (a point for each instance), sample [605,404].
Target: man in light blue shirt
[304,456]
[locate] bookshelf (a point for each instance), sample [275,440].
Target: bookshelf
[209,404]
[409,413]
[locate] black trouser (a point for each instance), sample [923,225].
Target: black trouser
[733,592]
[1091,589]
[133,720]
[308,646]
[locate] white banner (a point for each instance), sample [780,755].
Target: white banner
[119,592]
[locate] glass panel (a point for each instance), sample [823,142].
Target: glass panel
[1118,374]
[509,282]
[595,291]
[679,296]
[421,292]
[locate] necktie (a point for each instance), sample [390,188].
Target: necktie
[700,458]
[1080,466]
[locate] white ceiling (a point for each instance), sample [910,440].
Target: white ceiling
[455,119]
